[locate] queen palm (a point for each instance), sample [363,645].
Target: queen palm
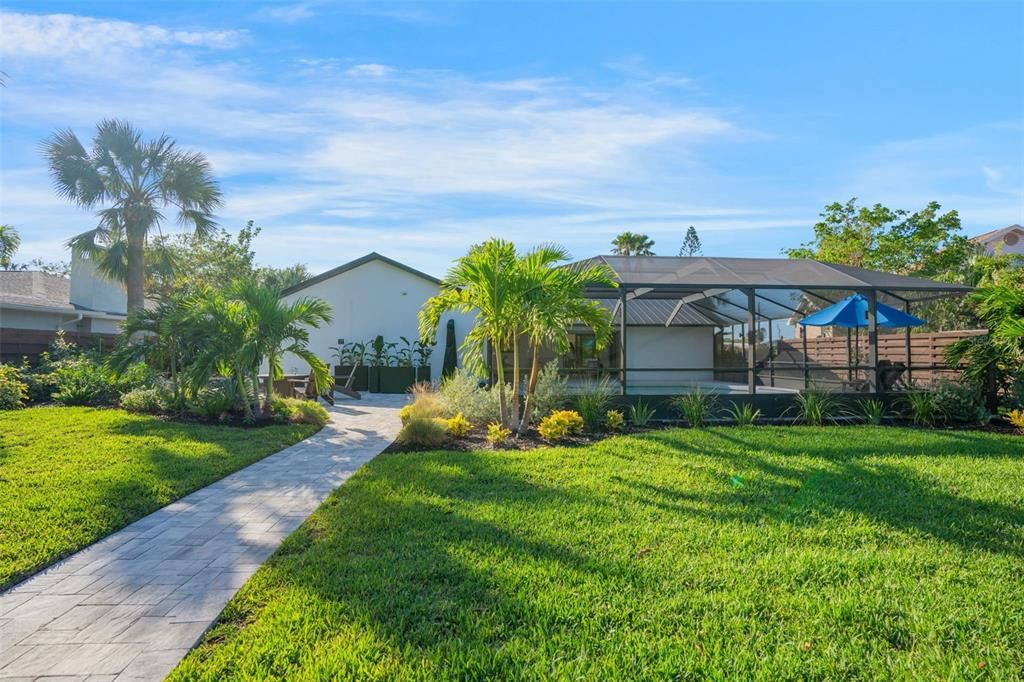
[135,181]
[554,301]
[632,244]
[10,240]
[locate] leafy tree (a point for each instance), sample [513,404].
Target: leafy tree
[10,240]
[282,278]
[632,244]
[137,181]
[691,243]
[995,361]
[923,243]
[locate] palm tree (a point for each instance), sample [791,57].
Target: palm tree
[632,244]
[137,181]
[10,240]
[484,282]
[279,327]
[553,298]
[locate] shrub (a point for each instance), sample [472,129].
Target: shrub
[461,392]
[873,411]
[921,404]
[13,391]
[956,402]
[1016,417]
[459,426]
[214,403]
[427,404]
[695,407]
[299,411]
[743,414]
[82,381]
[551,392]
[640,413]
[497,434]
[424,433]
[592,402]
[815,406]
[145,400]
[560,424]
[615,420]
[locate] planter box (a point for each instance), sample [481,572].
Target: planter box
[373,379]
[396,379]
[423,373]
[360,381]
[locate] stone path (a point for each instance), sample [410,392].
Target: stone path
[132,605]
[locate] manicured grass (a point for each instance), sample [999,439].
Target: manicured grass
[72,475]
[727,553]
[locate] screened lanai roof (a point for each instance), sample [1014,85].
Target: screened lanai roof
[700,290]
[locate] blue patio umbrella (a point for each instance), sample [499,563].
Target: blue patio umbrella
[852,311]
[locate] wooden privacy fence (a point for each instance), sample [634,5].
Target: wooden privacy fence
[927,351]
[16,344]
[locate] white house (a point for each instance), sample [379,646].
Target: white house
[370,296]
[1007,240]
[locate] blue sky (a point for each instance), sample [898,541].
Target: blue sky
[417,129]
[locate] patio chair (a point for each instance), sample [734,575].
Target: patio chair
[346,388]
[890,375]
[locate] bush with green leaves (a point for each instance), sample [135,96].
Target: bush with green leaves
[640,413]
[551,392]
[615,420]
[214,403]
[560,424]
[920,404]
[497,435]
[461,392]
[86,380]
[696,407]
[13,391]
[815,406]
[959,402]
[459,426]
[424,433]
[743,414]
[299,411]
[143,400]
[873,411]
[592,401]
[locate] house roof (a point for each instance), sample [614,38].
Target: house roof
[34,288]
[352,265]
[996,235]
[668,274]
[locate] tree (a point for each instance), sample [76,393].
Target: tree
[137,181]
[10,240]
[553,301]
[923,243]
[691,243]
[632,244]
[282,278]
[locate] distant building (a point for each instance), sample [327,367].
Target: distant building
[34,305]
[1007,240]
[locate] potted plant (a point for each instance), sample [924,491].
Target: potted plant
[350,355]
[422,354]
[398,374]
[379,354]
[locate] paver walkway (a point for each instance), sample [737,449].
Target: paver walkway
[131,606]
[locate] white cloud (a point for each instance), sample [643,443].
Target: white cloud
[288,14]
[370,71]
[68,35]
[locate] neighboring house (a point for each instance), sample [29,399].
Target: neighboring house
[35,305]
[370,296]
[1006,240]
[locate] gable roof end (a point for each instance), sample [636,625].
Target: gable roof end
[352,265]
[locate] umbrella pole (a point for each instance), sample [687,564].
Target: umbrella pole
[849,357]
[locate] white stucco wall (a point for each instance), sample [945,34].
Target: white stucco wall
[89,289]
[374,298]
[669,347]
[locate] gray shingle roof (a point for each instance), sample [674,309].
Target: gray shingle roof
[35,289]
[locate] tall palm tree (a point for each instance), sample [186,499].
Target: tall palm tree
[554,301]
[484,282]
[136,180]
[632,244]
[279,327]
[10,240]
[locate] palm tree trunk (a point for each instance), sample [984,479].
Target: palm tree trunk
[502,405]
[531,386]
[243,393]
[136,275]
[268,389]
[514,416]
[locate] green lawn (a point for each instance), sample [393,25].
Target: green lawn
[771,553]
[70,476]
